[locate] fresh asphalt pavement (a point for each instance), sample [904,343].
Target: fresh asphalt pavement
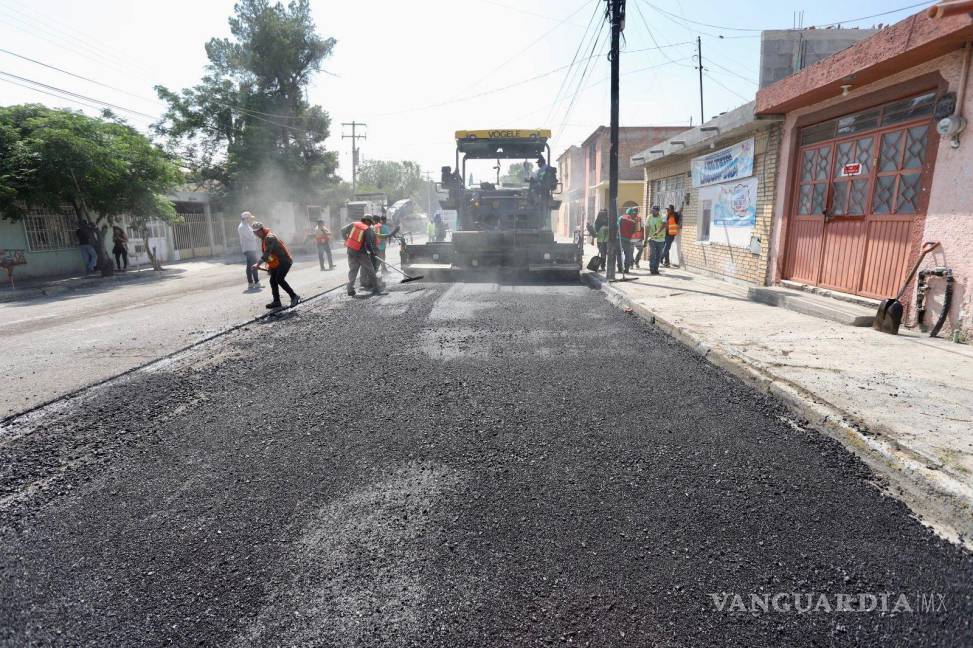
[468,464]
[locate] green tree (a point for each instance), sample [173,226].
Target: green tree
[247,126]
[397,180]
[516,174]
[102,168]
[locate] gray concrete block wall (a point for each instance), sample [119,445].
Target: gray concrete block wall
[786,51]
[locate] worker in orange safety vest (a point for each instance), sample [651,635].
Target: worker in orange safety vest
[322,239]
[673,223]
[361,245]
[278,261]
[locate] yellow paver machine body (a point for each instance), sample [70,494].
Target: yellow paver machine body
[498,228]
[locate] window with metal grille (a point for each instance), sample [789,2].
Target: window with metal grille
[884,115]
[46,231]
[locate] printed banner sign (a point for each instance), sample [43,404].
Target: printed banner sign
[732,163]
[733,211]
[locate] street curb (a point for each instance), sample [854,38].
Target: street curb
[936,497]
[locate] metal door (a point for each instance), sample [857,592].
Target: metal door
[856,200]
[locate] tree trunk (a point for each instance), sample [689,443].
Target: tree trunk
[156,264]
[105,263]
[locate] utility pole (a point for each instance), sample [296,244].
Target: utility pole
[354,137]
[616,14]
[699,56]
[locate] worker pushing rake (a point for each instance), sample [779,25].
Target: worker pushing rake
[362,247]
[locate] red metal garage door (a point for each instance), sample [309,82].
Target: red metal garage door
[861,183]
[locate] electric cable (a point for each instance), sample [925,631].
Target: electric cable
[527,47]
[584,73]
[567,75]
[817,26]
[729,71]
[725,87]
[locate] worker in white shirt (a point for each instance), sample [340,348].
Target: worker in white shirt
[249,245]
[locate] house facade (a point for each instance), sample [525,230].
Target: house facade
[49,243]
[865,178]
[721,178]
[570,172]
[596,148]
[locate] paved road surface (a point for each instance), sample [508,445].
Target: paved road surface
[58,344]
[450,465]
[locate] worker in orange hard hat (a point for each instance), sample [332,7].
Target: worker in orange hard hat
[278,262]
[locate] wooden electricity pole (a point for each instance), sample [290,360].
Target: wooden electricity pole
[699,56]
[616,14]
[354,137]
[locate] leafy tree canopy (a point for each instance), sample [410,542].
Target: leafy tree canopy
[517,173]
[101,167]
[397,180]
[247,127]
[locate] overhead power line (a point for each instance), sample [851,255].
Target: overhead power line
[577,51]
[55,95]
[75,94]
[584,72]
[255,114]
[477,95]
[649,30]
[77,76]
[725,87]
[729,71]
[818,26]
[527,47]
[527,12]
[594,84]
[29,24]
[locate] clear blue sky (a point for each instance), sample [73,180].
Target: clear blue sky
[413,70]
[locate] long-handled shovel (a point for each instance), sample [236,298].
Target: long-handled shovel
[401,272]
[889,315]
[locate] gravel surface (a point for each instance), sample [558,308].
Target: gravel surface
[450,465]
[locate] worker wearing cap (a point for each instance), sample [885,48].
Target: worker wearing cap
[361,245]
[655,230]
[249,246]
[278,262]
[322,238]
[383,232]
[629,226]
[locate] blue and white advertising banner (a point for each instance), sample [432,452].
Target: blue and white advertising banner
[733,211]
[732,163]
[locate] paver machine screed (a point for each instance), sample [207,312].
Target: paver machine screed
[498,228]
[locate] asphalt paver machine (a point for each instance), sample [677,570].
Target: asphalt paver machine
[498,228]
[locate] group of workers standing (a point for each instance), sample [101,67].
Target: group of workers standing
[366,241]
[656,232]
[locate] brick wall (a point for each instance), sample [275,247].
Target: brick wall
[718,259]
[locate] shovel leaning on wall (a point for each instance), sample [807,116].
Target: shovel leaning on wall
[889,315]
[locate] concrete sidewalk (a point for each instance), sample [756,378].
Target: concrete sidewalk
[903,403]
